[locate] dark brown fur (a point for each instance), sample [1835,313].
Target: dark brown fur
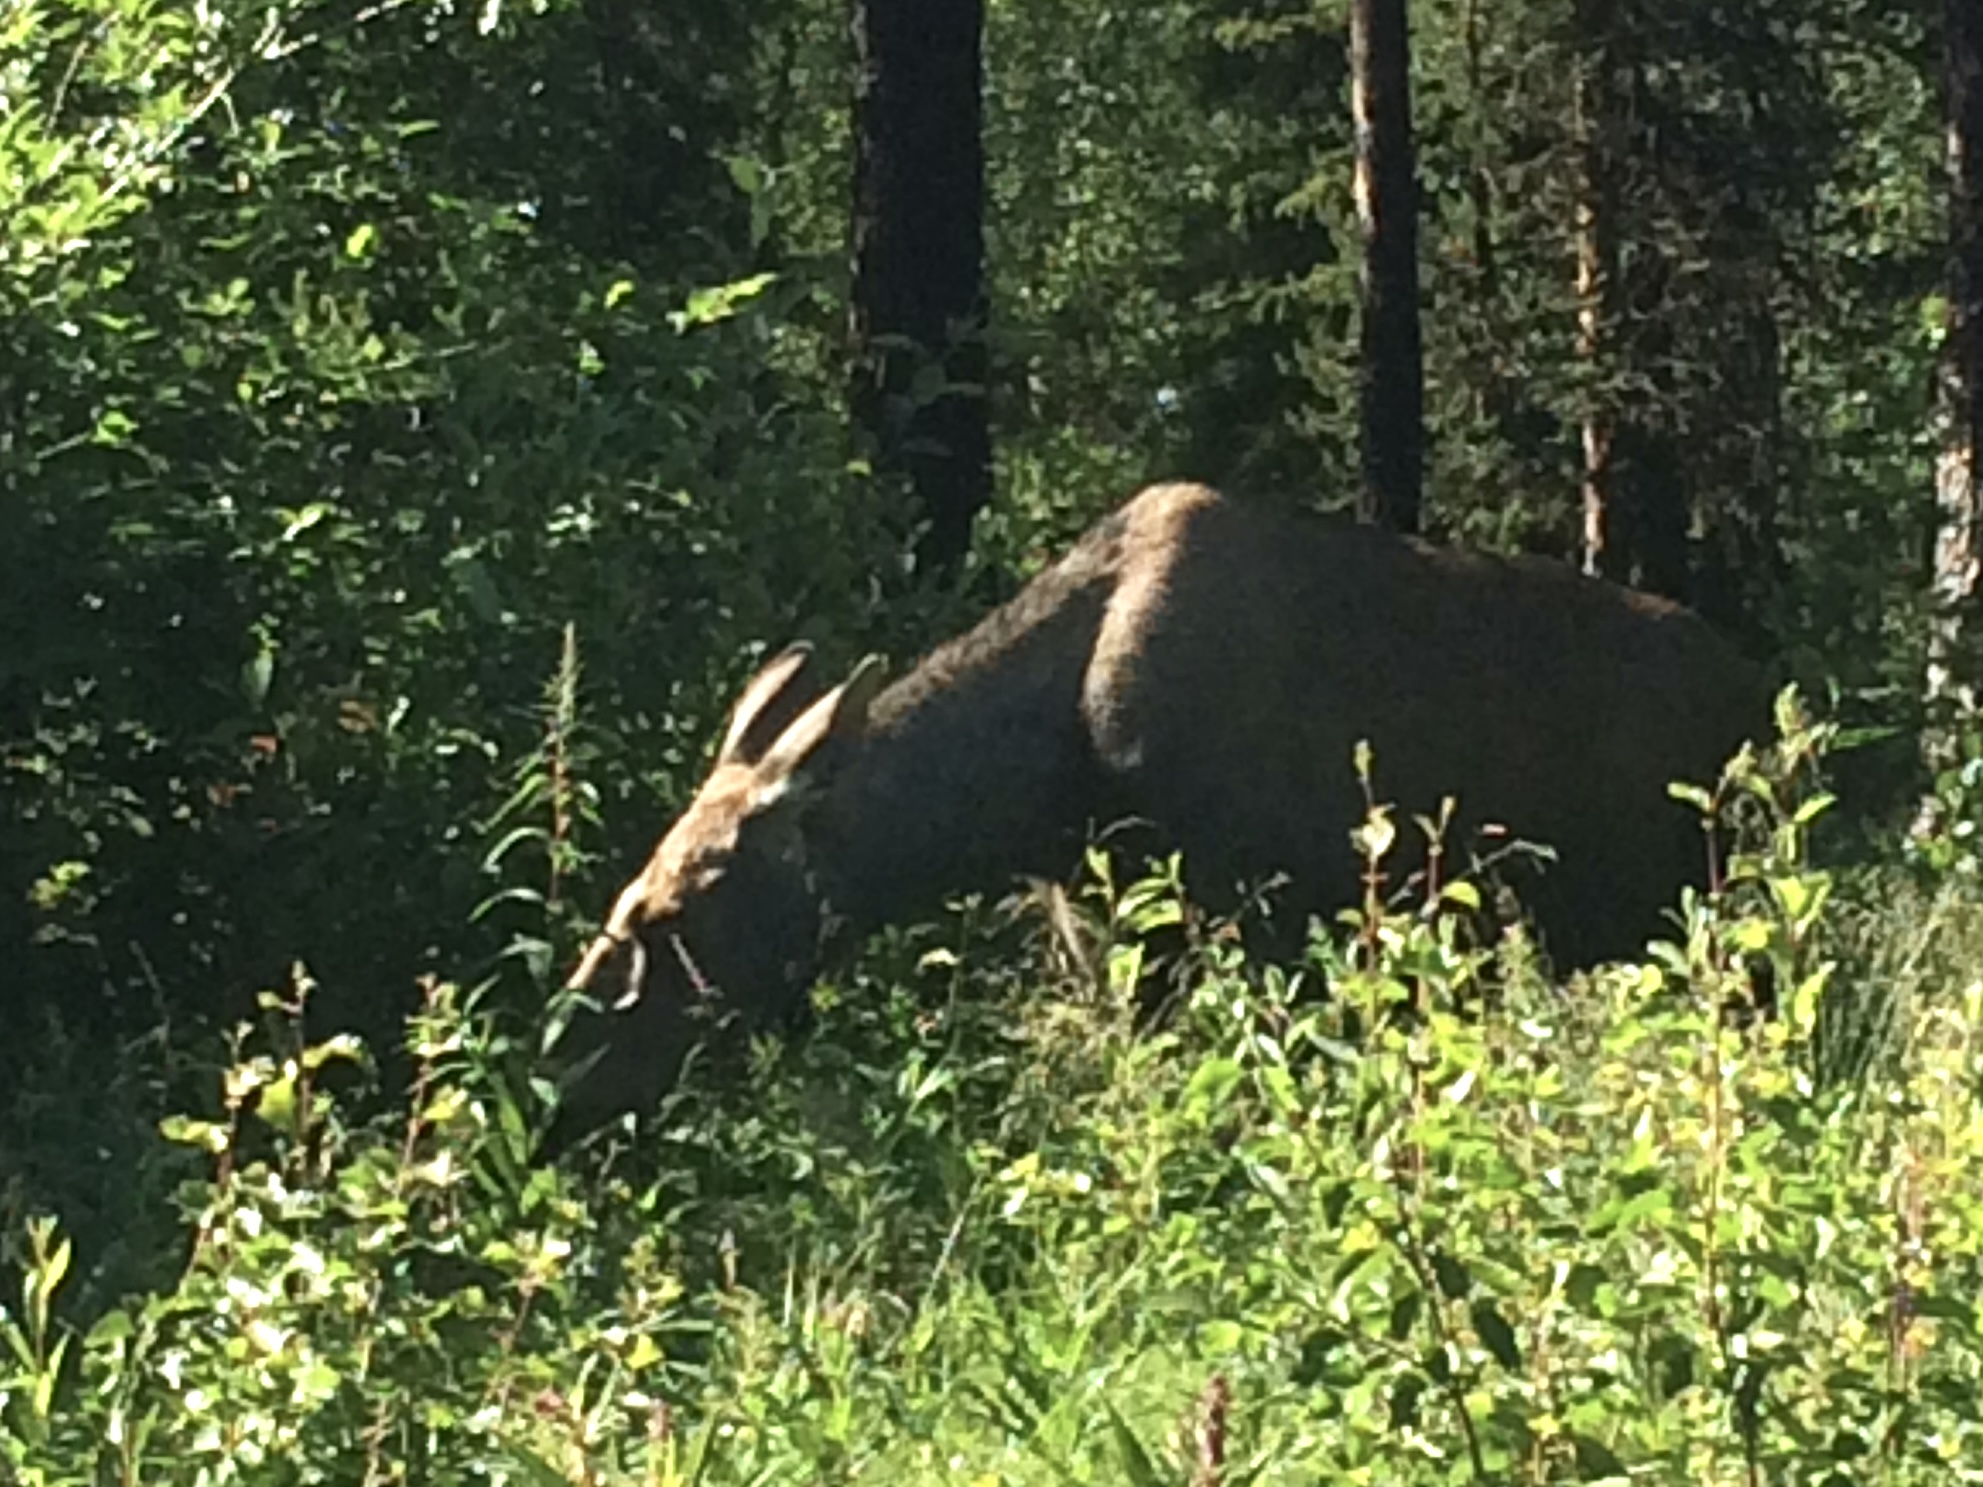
[1208,666]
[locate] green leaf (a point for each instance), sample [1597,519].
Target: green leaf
[1317,1349]
[114,428]
[1596,1462]
[1580,1285]
[1461,892]
[1211,1085]
[1220,1336]
[746,173]
[1692,795]
[1375,837]
[1404,1314]
[1454,1282]
[54,1268]
[1136,1461]
[300,520]
[44,1384]
[111,1327]
[708,306]
[257,672]
[340,1047]
[277,1105]
[1405,1395]
[201,1133]
[1495,1333]
[1751,936]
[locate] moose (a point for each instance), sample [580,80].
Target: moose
[1205,665]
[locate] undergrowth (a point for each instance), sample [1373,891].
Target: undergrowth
[1447,1222]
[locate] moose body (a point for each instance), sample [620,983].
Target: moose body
[1207,666]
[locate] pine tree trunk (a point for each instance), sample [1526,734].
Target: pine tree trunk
[1634,485]
[1391,371]
[918,313]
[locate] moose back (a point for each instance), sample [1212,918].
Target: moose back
[1207,666]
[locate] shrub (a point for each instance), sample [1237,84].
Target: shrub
[1449,1222]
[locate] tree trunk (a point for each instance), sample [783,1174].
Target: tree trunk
[1597,270]
[918,314]
[1634,487]
[1951,693]
[1391,370]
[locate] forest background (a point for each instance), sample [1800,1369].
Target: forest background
[417,421]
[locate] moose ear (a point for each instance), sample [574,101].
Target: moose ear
[795,761]
[768,705]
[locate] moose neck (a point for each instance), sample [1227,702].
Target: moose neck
[975,767]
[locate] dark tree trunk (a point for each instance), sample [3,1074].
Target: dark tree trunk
[918,316]
[1951,681]
[1391,370]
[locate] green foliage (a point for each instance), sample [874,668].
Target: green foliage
[349,360]
[316,458]
[362,368]
[99,94]
[978,1229]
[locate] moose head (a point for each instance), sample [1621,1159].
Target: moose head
[727,915]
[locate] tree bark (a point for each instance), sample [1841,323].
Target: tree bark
[918,312]
[1391,370]
[1597,270]
[1951,689]
[1634,487]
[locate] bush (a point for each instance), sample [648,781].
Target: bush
[977,1228]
